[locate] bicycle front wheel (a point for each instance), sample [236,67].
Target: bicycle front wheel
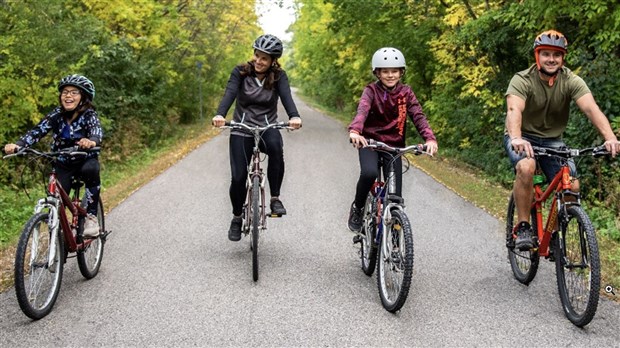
[524,264]
[578,267]
[368,247]
[37,282]
[89,259]
[255,226]
[395,266]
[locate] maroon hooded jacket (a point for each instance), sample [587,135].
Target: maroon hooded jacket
[382,114]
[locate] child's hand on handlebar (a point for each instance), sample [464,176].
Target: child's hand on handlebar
[10,148]
[431,147]
[357,140]
[86,143]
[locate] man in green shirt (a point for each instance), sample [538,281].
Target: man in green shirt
[538,102]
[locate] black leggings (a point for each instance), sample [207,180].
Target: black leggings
[240,155]
[370,164]
[88,171]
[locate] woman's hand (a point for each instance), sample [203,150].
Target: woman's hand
[295,122]
[86,143]
[357,140]
[218,121]
[10,148]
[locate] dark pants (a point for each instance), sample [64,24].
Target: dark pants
[88,171]
[240,156]
[371,163]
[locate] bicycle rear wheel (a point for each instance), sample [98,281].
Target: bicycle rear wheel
[255,225]
[524,264]
[37,284]
[395,266]
[368,247]
[578,267]
[89,259]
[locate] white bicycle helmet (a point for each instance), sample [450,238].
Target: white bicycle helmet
[388,57]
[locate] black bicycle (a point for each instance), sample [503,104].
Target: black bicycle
[386,232]
[254,209]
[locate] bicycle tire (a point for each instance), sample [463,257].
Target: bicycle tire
[89,259]
[368,247]
[524,264]
[578,287]
[393,291]
[36,285]
[255,225]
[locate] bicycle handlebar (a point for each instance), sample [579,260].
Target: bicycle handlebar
[251,129]
[596,151]
[71,151]
[418,149]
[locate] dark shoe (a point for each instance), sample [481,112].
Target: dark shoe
[234,232]
[355,218]
[277,208]
[524,240]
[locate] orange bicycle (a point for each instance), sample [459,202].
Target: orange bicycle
[566,237]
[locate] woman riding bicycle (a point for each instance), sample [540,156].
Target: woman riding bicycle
[381,115]
[537,103]
[73,122]
[256,86]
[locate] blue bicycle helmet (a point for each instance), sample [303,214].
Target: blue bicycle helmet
[80,82]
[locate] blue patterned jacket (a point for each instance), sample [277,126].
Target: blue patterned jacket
[86,125]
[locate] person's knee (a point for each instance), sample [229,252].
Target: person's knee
[525,168]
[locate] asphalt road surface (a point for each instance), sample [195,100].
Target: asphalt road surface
[170,277]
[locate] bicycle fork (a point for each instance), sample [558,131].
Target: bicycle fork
[51,205]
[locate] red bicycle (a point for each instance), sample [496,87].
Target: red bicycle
[54,231]
[566,237]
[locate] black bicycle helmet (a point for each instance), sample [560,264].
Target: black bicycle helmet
[269,44]
[80,82]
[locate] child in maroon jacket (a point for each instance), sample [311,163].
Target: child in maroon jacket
[381,115]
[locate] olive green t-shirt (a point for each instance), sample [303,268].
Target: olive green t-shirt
[546,108]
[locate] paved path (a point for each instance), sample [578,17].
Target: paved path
[170,277]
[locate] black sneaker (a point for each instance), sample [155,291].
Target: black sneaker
[355,218]
[524,241]
[234,232]
[277,208]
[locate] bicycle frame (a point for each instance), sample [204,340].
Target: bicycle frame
[384,192]
[559,186]
[255,170]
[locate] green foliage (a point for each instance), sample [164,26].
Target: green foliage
[461,56]
[153,63]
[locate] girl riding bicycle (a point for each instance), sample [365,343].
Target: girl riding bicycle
[73,122]
[381,115]
[257,85]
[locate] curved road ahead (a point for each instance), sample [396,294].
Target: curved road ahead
[170,277]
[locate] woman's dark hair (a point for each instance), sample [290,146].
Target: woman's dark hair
[271,77]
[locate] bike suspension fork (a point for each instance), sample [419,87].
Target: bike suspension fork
[51,205]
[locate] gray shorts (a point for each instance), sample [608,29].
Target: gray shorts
[549,165]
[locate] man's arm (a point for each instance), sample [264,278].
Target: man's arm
[514,114]
[588,106]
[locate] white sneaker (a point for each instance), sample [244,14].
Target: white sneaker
[91,227]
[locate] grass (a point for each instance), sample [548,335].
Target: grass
[119,181]
[472,185]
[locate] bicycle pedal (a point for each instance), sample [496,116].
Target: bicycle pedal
[357,239]
[272,215]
